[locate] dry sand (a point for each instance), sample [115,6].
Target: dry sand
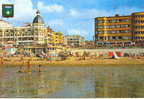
[73,61]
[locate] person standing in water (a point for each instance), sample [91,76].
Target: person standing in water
[29,66]
[22,65]
[40,68]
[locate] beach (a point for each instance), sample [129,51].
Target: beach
[75,61]
[94,57]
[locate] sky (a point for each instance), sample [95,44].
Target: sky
[72,17]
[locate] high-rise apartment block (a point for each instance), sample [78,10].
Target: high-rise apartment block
[119,30]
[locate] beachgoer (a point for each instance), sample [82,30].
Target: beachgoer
[50,58]
[42,57]
[40,68]
[84,55]
[29,66]
[21,67]
[1,60]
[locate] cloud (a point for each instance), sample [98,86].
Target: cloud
[87,13]
[77,32]
[83,19]
[56,22]
[50,8]
[73,12]
[23,11]
[92,13]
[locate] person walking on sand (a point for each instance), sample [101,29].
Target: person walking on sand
[1,59]
[84,55]
[50,58]
[47,58]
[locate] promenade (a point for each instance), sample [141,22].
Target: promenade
[114,49]
[103,51]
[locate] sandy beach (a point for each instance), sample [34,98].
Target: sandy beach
[75,61]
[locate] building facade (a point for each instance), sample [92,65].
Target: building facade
[31,36]
[53,38]
[89,44]
[138,26]
[119,30]
[75,40]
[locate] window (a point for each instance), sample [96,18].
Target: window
[117,20]
[127,20]
[113,21]
[127,31]
[114,37]
[100,21]
[101,31]
[96,21]
[110,26]
[101,26]
[113,31]
[108,31]
[107,21]
[120,20]
[101,38]
[118,31]
[127,25]
[113,26]
[125,38]
[96,32]
[122,26]
[120,37]
[107,26]
[117,26]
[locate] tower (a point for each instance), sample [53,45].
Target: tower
[38,28]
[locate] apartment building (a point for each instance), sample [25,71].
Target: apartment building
[75,40]
[119,30]
[113,30]
[54,38]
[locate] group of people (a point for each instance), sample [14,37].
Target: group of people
[48,56]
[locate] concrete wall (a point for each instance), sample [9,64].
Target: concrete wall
[103,51]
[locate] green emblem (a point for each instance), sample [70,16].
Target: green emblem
[7,10]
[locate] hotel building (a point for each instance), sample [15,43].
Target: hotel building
[34,37]
[138,26]
[119,30]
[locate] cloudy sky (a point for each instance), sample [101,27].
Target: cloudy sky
[71,16]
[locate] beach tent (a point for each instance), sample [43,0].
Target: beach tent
[10,51]
[115,55]
[118,53]
[110,54]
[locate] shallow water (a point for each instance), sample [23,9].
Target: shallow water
[83,82]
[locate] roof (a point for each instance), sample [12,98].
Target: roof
[38,18]
[5,24]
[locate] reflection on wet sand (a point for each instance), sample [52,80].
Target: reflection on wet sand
[29,79]
[73,82]
[117,87]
